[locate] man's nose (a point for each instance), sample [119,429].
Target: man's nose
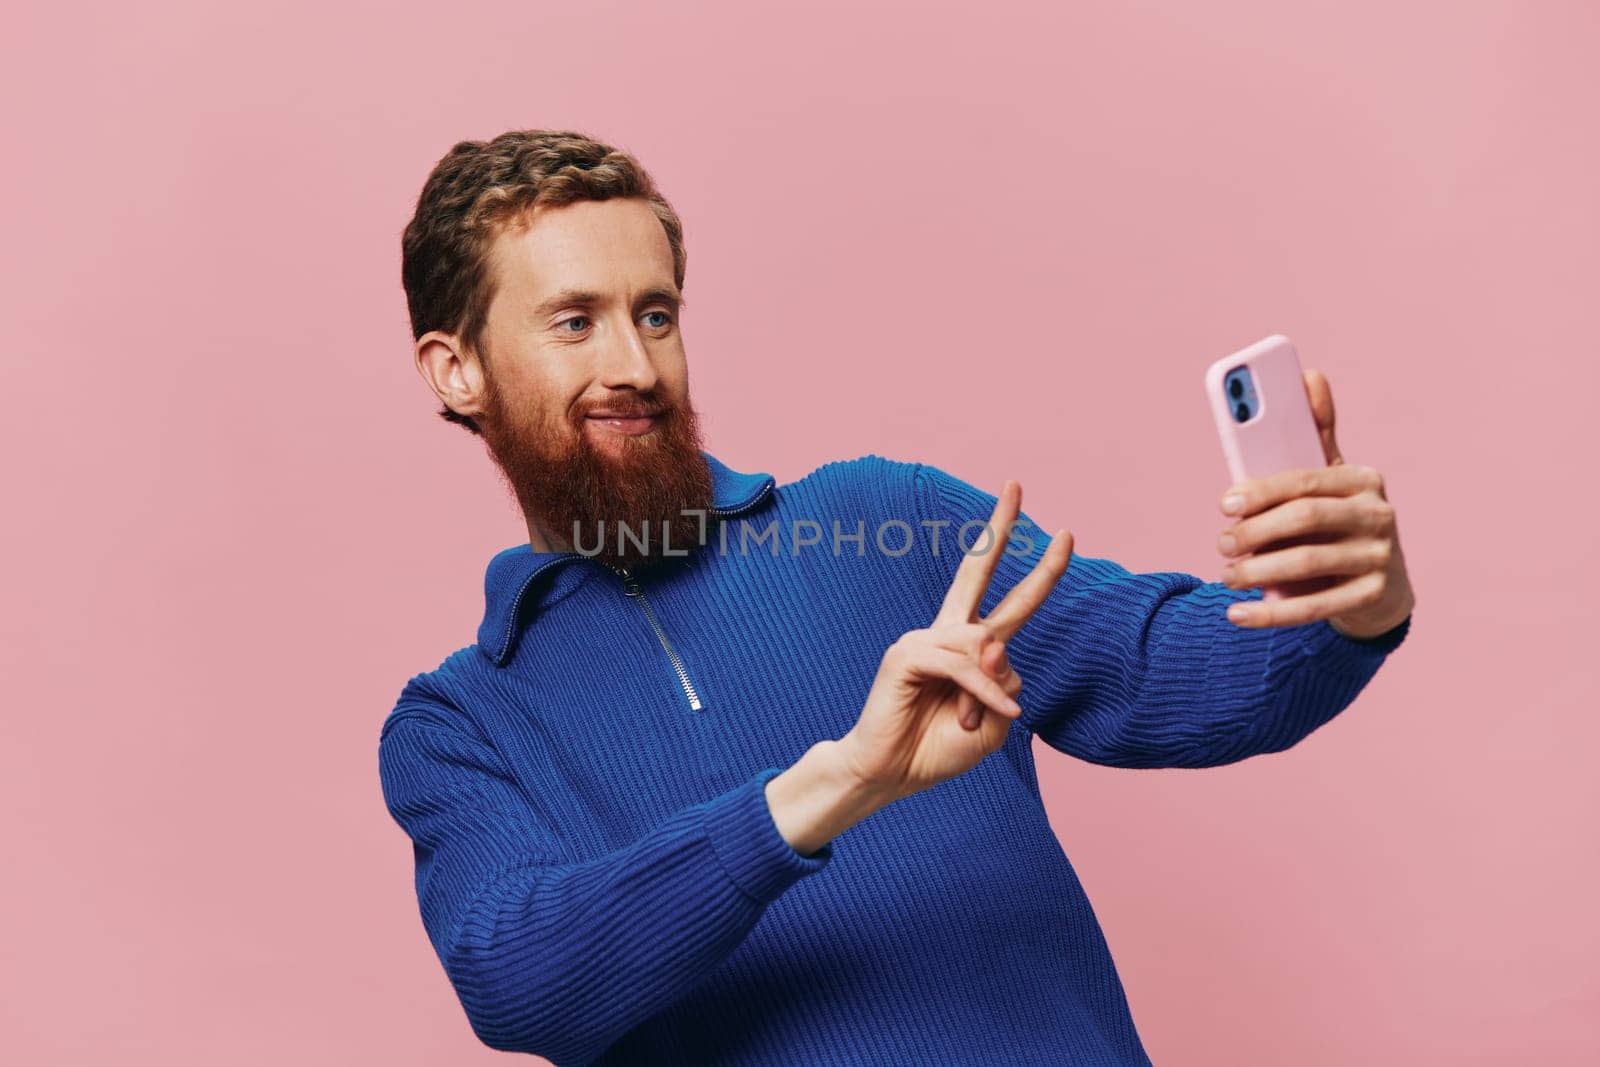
[628,362]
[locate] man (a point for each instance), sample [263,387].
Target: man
[741,772]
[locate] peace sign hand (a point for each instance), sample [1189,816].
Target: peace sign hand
[943,698]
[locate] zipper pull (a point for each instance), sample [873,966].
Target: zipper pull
[630,584]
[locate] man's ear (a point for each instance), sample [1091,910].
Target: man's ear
[452,371]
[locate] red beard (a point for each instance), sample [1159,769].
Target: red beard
[580,493]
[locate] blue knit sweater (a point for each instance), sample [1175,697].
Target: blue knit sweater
[597,866]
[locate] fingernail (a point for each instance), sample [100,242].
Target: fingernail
[1227,545]
[1227,574]
[1232,503]
[1013,707]
[1238,613]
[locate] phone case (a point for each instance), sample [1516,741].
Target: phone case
[1282,434]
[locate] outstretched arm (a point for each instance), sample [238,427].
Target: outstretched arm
[1146,670]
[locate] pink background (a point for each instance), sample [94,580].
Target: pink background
[1001,238]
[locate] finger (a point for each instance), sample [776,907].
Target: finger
[933,662]
[1320,394]
[976,641]
[1307,561]
[1332,517]
[966,590]
[1258,494]
[967,638]
[1024,599]
[969,711]
[974,715]
[1358,592]
[997,665]
[973,641]
[993,661]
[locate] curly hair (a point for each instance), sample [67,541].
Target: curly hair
[480,186]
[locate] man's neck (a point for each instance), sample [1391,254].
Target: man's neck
[542,539]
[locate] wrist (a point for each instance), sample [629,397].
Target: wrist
[1368,629]
[819,798]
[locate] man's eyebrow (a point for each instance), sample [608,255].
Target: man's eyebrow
[566,297]
[661,294]
[589,298]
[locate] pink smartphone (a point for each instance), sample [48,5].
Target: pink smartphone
[1258,398]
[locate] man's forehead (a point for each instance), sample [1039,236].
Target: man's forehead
[599,246]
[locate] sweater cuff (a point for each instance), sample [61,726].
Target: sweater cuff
[741,829]
[1338,650]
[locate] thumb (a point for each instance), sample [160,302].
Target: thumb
[1320,394]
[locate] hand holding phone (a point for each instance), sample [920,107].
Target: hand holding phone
[1277,428]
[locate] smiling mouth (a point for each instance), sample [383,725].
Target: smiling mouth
[632,425]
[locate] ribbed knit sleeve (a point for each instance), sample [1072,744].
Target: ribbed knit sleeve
[553,956]
[1146,670]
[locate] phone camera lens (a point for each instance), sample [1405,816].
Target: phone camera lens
[1236,388]
[1242,413]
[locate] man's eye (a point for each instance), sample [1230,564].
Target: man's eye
[582,319]
[665,318]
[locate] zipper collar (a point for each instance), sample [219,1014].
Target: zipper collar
[511,599]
